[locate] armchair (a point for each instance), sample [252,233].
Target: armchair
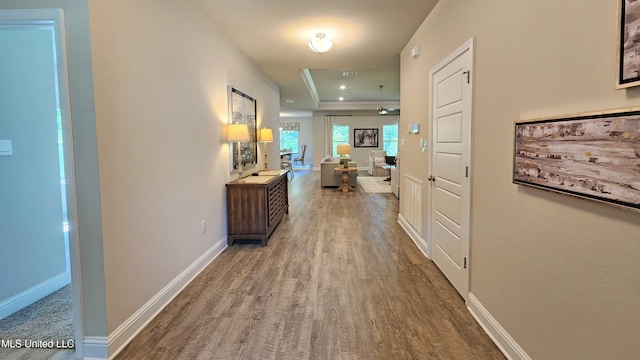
[376,162]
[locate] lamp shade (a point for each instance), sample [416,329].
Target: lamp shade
[238,132]
[265,135]
[320,44]
[344,149]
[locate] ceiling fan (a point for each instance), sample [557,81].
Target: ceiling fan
[380,109]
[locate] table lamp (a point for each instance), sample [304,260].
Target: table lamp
[265,135]
[239,133]
[343,151]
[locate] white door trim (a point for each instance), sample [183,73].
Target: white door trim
[468,46]
[55,18]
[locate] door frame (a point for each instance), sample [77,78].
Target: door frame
[55,18]
[469,46]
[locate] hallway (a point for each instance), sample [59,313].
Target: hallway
[339,280]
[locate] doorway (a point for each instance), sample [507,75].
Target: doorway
[450,119]
[36,162]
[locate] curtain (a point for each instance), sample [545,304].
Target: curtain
[328,135]
[290,126]
[285,140]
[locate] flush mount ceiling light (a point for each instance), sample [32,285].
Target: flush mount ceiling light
[320,44]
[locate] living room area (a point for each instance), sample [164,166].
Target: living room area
[373,142]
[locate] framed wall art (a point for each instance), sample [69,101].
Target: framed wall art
[365,138]
[594,156]
[242,110]
[628,44]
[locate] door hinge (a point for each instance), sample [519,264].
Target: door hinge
[466,171]
[468,73]
[465,263]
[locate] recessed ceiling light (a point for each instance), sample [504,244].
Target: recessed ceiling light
[342,87]
[341,98]
[289,100]
[349,73]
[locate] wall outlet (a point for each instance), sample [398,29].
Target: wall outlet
[203,227]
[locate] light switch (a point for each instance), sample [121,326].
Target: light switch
[5,148]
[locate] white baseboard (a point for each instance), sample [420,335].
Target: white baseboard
[33,294]
[124,333]
[496,332]
[421,243]
[95,348]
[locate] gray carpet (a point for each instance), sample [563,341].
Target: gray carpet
[51,318]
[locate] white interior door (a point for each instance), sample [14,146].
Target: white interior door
[450,186]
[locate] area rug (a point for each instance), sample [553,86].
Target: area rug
[50,318]
[374,184]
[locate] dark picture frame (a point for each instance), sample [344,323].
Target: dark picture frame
[628,69]
[242,110]
[594,156]
[365,138]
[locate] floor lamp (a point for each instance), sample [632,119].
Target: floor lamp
[265,135]
[239,133]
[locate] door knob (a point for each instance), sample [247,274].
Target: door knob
[431,178]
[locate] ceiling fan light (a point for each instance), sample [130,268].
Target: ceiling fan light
[380,109]
[320,44]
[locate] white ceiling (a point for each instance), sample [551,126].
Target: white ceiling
[368,36]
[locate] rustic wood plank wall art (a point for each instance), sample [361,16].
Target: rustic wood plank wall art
[596,156]
[628,44]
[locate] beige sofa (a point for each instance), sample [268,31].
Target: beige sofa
[330,177]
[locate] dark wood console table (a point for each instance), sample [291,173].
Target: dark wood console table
[256,205]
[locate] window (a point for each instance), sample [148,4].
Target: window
[340,136]
[289,136]
[390,139]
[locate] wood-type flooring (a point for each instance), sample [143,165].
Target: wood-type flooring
[339,279]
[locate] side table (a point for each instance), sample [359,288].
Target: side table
[345,187]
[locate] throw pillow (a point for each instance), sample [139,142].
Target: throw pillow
[378,159]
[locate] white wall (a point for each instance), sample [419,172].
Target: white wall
[161,72]
[558,273]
